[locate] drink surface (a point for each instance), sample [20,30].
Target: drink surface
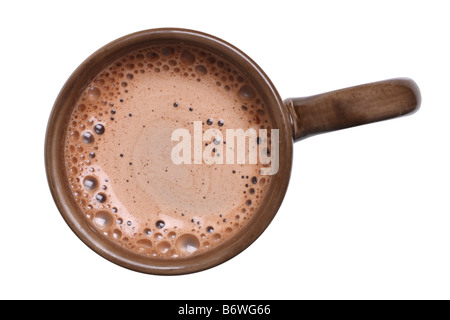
[119,151]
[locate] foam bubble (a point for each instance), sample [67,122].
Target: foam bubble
[160,224]
[88,137]
[93,93]
[187,243]
[152,56]
[158,236]
[90,183]
[117,234]
[201,69]
[164,246]
[74,136]
[145,243]
[246,92]
[172,235]
[168,51]
[187,57]
[103,219]
[99,129]
[100,197]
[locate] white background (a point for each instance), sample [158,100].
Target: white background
[367,213]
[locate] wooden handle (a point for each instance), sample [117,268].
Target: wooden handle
[353,106]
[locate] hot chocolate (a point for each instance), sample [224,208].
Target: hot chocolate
[119,151]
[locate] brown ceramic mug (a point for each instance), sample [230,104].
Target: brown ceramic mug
[295,119]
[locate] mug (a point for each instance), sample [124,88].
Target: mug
[295,118]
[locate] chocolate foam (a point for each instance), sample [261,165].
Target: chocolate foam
[118,148]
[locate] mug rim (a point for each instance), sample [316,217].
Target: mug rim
[59,185]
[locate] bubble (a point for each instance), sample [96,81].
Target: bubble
[100,197]
[187,243]
[168,51]
[99,129]
[163,246]
[221,123]
[254,180]
[103,219]
[152,56]
[210,121]
[210,229]
[74,135]
[216,237]
[117,234]
[160,224]
[246,92]
[90,183]
[93,93]
[148,231]
[187,57]
[158,236]
[145,243]
[200,69]
[172,235]
[88,137]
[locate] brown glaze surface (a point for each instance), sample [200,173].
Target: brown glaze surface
[353,106]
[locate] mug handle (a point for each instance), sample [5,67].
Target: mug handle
[353,106]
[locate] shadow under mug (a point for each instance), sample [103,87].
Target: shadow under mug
[296,118]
